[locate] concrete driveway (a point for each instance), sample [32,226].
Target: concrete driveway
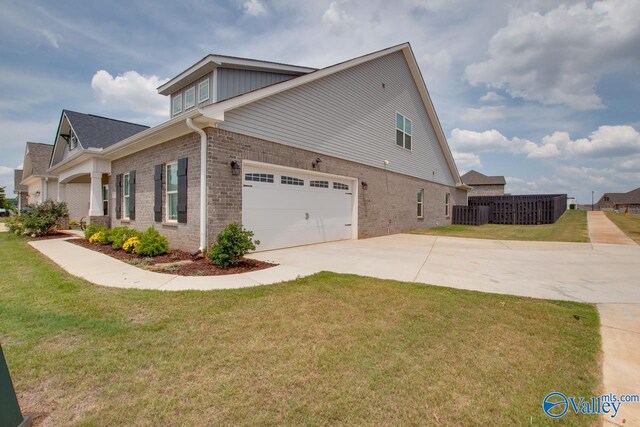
[595,273]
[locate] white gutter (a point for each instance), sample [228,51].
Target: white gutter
[203,183]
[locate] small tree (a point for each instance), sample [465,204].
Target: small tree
[231,245]
[40,219]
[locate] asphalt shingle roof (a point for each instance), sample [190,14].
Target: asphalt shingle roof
[40,154]
[476,178]
[100,132]
[17,179]
[630,198]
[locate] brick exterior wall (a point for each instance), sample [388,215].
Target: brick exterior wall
[388,205]
[487,190]
[180,236]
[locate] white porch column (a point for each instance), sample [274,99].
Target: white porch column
[62,193]
[95,199]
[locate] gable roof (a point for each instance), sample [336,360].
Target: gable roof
[476,178]
[17,179]
[100,132]
[216,111]
[630,198]
[36,159]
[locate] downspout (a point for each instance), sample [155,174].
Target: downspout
[203,183]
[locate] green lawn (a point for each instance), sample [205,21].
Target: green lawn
[629,224]
[571,227]
[324,350]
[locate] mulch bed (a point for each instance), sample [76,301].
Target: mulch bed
[175,261]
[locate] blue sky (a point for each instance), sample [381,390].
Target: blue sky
[543,92]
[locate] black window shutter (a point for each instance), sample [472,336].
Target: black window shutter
[182,190]
[119,196]
[132,195]
[157,197]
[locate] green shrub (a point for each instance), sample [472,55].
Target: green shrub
[119,235]
[40,219]
[152,243]
[231,245]
[93,229]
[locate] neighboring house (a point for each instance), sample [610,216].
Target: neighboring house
[21,191]
[483,185]
[82,174]
[572,203]
[40,184]
[622,202]
[295,154]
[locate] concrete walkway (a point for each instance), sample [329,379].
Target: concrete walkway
[602,230]
[104,270]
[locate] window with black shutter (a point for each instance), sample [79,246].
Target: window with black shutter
[157,193]
[182,190]
[132,195]
[119,196]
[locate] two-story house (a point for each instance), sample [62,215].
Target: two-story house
[295,154]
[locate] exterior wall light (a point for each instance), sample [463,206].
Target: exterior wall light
[314,164]
[364,185]
[235,168]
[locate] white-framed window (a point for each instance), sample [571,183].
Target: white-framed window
[177,104]
[73,140]
[340,186]
[203,91]
[420,203]
[289,180]
[259,177]
[447,204]
[126,202]
[319,184]
[190,98]
[403,131]
[105,199]
[172,191]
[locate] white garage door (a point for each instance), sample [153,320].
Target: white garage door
[293,207]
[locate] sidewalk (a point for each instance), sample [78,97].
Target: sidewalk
[104,270]
[602,230]
[620,331]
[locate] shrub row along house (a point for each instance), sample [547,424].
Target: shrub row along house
[297,155]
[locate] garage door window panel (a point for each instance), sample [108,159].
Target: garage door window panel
[319,184]
[340,186]
[289,180]
[259,177]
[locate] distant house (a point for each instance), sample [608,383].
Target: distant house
[483,185]
[40,184]
[622,202]
[21,191]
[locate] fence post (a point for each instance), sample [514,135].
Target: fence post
[10,414]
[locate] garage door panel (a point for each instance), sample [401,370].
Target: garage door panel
[283,215]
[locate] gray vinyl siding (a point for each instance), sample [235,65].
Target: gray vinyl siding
[233,82]
[351,115]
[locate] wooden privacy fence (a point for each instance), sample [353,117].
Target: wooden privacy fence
[470,215]
[527,209]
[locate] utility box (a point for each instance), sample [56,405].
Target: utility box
[10,414]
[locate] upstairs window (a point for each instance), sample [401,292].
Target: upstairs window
[73,140]
[190,98]
[177,104]
[203,91]
[421,203]
[403,131]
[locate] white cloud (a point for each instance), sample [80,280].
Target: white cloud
[494,141]
[254,8]
[484,113]
[335,15]
[133,90]
[558,57]
[466,161]
[53,38]
[491,96]
[5,170]
[440,61]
